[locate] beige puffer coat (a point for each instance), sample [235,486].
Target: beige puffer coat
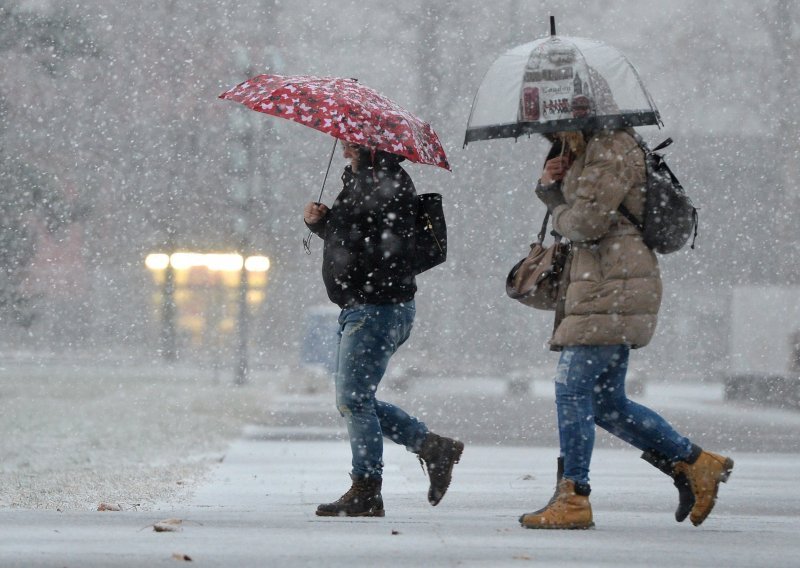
[614,284]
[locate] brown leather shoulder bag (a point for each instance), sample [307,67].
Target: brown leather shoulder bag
[534,280]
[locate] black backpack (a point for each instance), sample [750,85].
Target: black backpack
[430,233]
[669,216]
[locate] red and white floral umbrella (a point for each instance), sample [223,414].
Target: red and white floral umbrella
[344,109]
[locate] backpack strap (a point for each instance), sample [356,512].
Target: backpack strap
[643,145]
[646,149]
[629,216]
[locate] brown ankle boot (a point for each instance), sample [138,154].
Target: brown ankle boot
[363,499]
[705,475]
[439,455]
[569,510]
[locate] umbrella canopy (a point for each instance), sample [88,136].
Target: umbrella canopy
[346,110]
[559,83]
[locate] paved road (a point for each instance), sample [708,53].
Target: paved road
[483,411]
[257,510]
[257,507]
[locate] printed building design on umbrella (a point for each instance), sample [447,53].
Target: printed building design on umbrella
[559,83]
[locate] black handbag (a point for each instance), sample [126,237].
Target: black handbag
[430,233]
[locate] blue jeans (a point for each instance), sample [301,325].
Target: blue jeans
[368,336]
[590,389]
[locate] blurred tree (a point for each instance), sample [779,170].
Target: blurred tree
[782,20]
[29,198]
[25,194]
[50,37]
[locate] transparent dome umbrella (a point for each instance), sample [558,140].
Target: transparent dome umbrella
[559,83]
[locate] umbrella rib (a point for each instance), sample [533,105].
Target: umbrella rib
[472,109]
[644,89]
[635,73]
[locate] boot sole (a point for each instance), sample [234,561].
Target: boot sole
[378,513]
[459,447]
[727,469]
[558,527]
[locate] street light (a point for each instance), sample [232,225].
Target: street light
[198,278]
[164,275]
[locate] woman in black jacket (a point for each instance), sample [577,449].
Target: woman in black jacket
[368,270]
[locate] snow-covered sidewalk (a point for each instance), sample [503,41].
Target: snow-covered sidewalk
[257,509]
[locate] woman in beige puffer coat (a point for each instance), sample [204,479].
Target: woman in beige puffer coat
[613,293]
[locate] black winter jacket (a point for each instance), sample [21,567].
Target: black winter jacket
[369,237]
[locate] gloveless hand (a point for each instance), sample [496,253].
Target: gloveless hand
[555,169]
[314,212]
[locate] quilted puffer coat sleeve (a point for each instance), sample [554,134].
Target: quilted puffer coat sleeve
[610,162]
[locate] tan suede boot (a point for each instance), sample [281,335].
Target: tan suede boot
[704,476]
[568,510]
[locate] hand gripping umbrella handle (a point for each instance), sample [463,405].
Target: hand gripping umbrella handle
[307,240]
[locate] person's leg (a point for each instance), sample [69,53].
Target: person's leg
[438,454]
[399,426]
[579,369]
[696,473]
[366,344]
[632,422]
[396,424]
[368,337]
[360,363]
[607,416]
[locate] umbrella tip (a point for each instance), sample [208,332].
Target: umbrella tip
[552,25]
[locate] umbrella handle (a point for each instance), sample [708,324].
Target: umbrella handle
[307,240]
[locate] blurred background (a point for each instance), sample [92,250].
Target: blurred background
[114,147]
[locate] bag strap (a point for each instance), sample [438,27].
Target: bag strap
[629,216]
[543,230]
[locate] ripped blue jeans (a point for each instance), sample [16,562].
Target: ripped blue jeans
[368,336]
[590,389]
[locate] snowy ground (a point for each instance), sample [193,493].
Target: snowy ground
[74,436]
[256,509]
[244,468]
